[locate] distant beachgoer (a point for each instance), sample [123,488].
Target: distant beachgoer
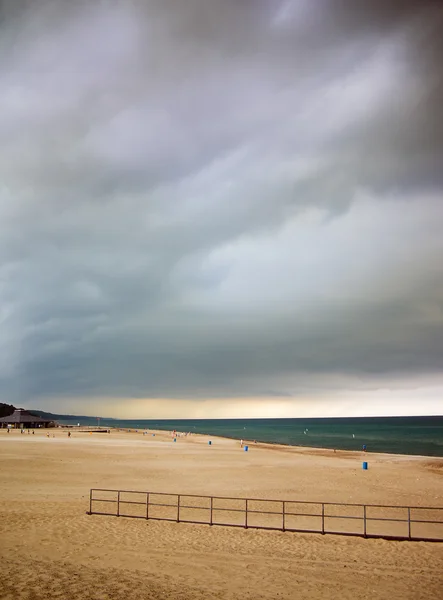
[241,443]
[33,432]
[69,434]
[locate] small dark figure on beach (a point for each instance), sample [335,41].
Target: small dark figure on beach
[69,434]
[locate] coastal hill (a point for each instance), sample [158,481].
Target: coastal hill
[8,409]
[56,417]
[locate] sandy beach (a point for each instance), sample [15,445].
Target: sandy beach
[50,547]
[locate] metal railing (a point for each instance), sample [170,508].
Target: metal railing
[419,523]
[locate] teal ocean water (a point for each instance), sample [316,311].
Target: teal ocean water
[397,435]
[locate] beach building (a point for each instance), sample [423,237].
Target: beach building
[22,419]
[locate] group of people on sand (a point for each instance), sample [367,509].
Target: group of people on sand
[31,431]
[22,431]
[242,443]
[176,434]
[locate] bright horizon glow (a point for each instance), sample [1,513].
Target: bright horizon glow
[422,402]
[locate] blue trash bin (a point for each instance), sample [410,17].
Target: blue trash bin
[209,443]
[365,466]
[175,439]
[246,448]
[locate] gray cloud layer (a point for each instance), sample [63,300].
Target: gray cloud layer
[218,198]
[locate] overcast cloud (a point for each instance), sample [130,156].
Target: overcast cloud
[221,207]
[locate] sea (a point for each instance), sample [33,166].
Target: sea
[396,435]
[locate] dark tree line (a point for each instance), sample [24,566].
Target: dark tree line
[6,410]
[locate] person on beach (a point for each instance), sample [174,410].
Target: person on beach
[69,434]
[241,443]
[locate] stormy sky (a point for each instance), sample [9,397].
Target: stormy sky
[221,207]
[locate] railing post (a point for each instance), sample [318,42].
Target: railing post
[118,503]
[364,520]
[210,521]
[409,522]
[90,501]
[246,514]
[147,505]
[323,517]
[178,508]
[283,515]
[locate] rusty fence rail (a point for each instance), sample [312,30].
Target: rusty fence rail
[419,523]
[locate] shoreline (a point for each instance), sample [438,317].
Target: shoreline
[257,444]
[409,436]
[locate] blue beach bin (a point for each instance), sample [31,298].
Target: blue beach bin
[175,439]
[246,448]
[365,466]
[209,443]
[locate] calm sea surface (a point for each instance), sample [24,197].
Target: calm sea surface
[398,435]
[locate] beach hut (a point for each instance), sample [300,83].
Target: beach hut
[22,419]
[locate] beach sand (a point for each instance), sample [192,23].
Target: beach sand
[50,547]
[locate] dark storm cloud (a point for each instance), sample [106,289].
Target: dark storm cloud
[214,198]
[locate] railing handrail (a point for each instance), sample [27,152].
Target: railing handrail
[243,498]
[365,517]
